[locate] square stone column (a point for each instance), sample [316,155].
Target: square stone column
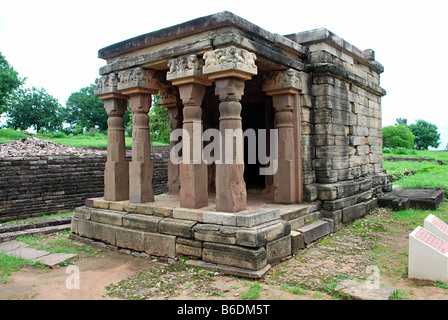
[284,87]
[169,98]
[116,171]
[139,84]
[230,67]
[186,73]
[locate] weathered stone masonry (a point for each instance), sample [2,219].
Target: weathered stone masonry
[222,72]
[37,185]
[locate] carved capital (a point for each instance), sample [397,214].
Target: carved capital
[169,97]
[106,87]
[286,81]
[144,79]
[187,69]
[230,62]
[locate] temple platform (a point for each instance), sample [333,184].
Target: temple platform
[244,243]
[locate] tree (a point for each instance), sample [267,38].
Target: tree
[9,81]
[402,121]
[84,109]
[398,136]
[34,108]
[426,134]
[159,122]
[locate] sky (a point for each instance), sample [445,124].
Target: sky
[54,44]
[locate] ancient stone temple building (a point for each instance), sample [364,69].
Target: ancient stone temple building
[281,142]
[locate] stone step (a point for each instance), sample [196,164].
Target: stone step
[45,222]
[8,236]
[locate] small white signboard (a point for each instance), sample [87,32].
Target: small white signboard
[436,226]
[428,256]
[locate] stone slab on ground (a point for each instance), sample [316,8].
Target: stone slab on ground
[402,199]
[53,259]
[28,253]
[359,291]
[11,246]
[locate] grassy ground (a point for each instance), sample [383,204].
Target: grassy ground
[428,174]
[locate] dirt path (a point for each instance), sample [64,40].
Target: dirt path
[95,273]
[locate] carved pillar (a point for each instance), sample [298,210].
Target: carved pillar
[169,98]
[139,84]
[116,171]
[284,87]
[230,67]
[186,73]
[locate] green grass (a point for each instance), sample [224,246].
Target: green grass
[429,174]
[60,214]
[438,155]
[8,135]
[253,292]
[9,264]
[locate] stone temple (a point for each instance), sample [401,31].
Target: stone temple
[310,98]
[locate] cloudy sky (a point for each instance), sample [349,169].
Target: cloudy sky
[54,44]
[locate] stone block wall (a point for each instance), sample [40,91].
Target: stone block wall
[341,127]
[39,185]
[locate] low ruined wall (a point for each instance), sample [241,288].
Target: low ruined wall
[38,185]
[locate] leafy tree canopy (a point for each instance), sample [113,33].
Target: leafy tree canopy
[84,109]
[426,134]
[398,136]
[34,108]
[9,81]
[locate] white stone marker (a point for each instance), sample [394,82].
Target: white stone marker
[428,256]
[436,226]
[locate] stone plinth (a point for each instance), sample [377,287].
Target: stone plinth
[244,243]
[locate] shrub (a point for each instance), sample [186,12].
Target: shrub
[398,137]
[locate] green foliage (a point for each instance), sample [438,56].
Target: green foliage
[426,135]
[9,82]
[84,111]
[159,122]
[34,108]
[8,135]
[398,136]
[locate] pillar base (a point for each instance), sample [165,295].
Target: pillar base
[116,181]
[140,182]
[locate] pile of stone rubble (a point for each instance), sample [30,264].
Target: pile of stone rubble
[35,147]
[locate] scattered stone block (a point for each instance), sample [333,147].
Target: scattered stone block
[314,231]
[428,256]
[423,198]
[360,291]
[297,241]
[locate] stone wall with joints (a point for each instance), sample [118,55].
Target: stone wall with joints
[39,185]
[342,126]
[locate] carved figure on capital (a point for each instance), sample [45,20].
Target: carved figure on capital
[106,84]
[231,61]
[139,77]
[277,81]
